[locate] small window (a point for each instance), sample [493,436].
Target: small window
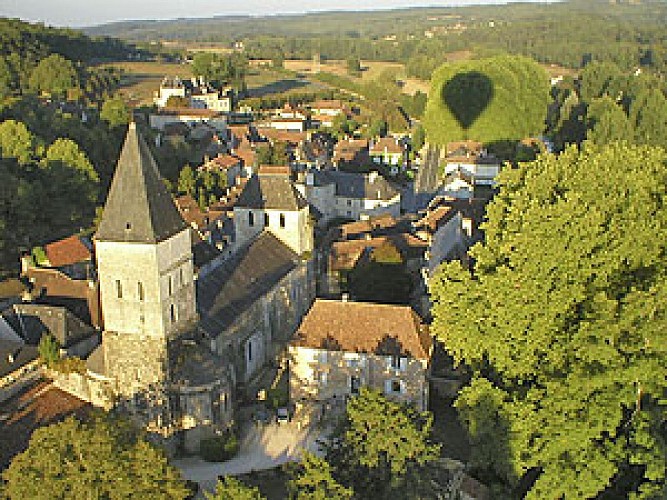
[282,220]
[251,219]
[266,220]
[355,385]
[128,226]
[396,386]
[180,276]
[170,286]
[249,350]
[349,203]
[172,313]
[119,289]
[396,362]
[140,290]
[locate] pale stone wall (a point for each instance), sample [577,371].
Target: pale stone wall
[268,323]
[297,233]
[153,279]
[322,375]
[356,208]
[446,240]
[134,362]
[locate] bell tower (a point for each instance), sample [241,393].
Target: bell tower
[144,263]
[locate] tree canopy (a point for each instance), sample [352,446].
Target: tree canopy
[381,447]
[104,458]
[487,100]
[563,322]
[313,480]
[229,488]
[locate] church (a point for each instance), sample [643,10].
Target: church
[177,352]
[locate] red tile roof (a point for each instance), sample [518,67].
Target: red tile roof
[364,327]
[67,251]
[386,143]
[221,162]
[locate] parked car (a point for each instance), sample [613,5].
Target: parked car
[282,415]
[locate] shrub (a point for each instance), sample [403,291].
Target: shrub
[219,448]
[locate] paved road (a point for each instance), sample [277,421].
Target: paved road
[261,448]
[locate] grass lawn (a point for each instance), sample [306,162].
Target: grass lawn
[141,79]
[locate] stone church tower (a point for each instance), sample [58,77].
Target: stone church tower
[144,262]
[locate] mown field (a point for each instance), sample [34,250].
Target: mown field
[141,79]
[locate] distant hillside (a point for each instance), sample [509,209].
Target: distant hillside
[33,42]
[566,33]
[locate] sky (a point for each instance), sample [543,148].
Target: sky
[80,13]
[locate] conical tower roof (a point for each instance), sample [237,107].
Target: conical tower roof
[139,208]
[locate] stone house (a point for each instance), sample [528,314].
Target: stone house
[71,256]
[342,346]
[472,159]
[389,152]
[336,194]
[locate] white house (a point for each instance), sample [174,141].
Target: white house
[350,195]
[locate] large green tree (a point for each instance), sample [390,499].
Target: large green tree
[381,447]
[104,458]
[313,480]
[115,112]
[564,324]
[16,141]
[229,488]
[54,75]
[488,100]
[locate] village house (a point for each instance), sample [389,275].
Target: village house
[342,346]
[471,159]
[188,116]
[351,153]
[197,92]
[71,256]
[333,194]
[450,227]
[389,152]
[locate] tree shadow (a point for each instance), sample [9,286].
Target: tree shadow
[467,95]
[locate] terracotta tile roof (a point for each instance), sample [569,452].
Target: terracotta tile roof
[283,135]
[436,218]
[364,327]
[247,155]
[193,215]
[368,225]
[221,162]
[274,170]
[387,144]
[67,251]
[327,104]
[346,254]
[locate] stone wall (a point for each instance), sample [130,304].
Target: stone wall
[321,375]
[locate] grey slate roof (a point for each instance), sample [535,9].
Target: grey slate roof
[139,208]
[20,354]
[227,291]
[356,185]
[272,191]
[31,321]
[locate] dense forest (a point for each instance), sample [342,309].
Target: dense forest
[567,33]
[60,132]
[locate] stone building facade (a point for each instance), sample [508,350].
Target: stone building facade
[342,346]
